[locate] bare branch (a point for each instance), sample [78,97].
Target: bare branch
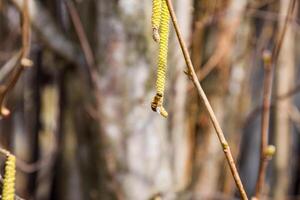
[9,65]
[264,158]
[203,96]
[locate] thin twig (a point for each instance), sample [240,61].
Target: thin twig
[6,69]
[203,96]
[87,50]
[254,112]
[90,60]
[84,42]
[288,18]
[228,31]
[288,94]
[270,63]
[213,61]
[264,158]
[26,32]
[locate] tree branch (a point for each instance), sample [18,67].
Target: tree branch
[264,155]
[202,95]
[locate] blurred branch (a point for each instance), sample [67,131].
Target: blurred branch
[294,114]
[22,63]
[49,32]
[264,157]
[36,166]
[203,96]
[33,167]
[277,48]
[84,43]
[33,12]
[87,50]
[228,26]
[289,94]
[26,33]
[251,12]
[9,65]
[270,62]
[258,108]
[93,75]
[285,74]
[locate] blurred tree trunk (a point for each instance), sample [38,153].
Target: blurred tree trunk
[283,127]
[140,148]
[180,159]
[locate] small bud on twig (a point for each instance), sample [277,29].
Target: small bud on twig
[4,112]
[26,62]
[270,151]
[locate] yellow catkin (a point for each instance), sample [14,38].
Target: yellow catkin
[157,103]
[156,16]
[8,191]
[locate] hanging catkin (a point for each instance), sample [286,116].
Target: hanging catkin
[157,103]
[8,191]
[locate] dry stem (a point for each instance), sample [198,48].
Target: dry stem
[202,95]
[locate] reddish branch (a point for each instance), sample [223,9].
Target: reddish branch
[264,157]
[269,64]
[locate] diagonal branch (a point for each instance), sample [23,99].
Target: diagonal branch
[83,40]
[203,96]
[8,67]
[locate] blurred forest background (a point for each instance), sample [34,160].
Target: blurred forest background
[81,125]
